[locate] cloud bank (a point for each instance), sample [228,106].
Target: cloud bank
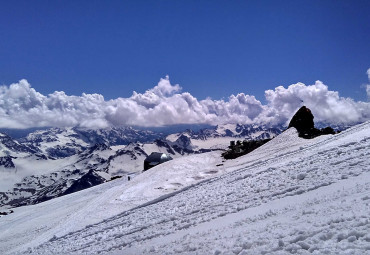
[368,85]
[21,106]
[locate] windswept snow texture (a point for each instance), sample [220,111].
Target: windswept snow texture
[290,196]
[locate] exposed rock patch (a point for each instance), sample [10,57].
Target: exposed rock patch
[303,122]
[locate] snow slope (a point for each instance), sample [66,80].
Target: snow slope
[289,196]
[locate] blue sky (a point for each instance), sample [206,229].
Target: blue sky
[222,52]
[211,48]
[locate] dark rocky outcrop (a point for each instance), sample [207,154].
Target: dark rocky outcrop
[6,213]
[302,119]
[242,148]
[303,122]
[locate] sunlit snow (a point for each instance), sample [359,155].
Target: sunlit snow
[290,196]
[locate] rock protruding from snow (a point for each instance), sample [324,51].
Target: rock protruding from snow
[303,122]
[243,148]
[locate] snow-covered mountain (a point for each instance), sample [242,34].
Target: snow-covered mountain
[50,163]
[92,166]
[38,181]
[11,149]
[65,142]
[219,136]
[53,162]
[289,196]
[47,163]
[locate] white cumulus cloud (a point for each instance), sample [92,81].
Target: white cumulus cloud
[21,106]
[368,85]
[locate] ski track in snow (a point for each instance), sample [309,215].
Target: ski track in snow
[312,200]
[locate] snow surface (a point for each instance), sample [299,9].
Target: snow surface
[290,196]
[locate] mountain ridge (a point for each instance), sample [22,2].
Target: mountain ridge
[73,153]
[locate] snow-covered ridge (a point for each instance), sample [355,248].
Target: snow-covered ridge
[290,196]
[64,142]
[11,147]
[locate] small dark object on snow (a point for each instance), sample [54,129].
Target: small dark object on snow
[303,122]
[6,213]
[128,178]
[155,158]
[115,177]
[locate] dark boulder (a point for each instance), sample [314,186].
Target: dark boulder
[328,131]
[302,119]
[303,122]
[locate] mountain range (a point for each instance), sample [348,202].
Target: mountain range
[289,196]
[54,162]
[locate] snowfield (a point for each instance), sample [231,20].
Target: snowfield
[290,196]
